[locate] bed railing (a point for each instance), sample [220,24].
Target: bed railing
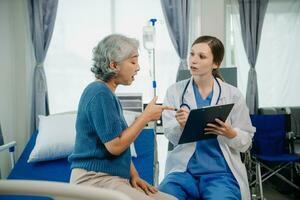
[58,190]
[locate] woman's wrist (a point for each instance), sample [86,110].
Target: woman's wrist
[134,174]
[144,117]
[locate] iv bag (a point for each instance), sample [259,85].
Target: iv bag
[149,37]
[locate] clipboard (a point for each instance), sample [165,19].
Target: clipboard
[199,118]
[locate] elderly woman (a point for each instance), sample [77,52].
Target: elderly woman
[101,155]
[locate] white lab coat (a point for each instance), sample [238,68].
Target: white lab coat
[239,119]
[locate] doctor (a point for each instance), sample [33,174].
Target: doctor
[207,169]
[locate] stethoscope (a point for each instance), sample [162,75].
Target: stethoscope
[185,88]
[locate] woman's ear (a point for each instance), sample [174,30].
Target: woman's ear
[215,66]
[113,65]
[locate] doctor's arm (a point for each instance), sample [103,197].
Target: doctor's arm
[241,124]
[172,128]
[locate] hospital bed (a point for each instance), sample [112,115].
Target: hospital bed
[59,170]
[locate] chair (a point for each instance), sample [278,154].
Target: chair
[269,150]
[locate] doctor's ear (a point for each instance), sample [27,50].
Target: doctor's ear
[215,66]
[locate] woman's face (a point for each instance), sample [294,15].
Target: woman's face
[128,69]
[201,60]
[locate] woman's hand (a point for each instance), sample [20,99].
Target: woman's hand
[182,116]
[153,111]
[221,128]
[140,184]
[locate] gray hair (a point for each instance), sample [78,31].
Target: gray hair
[113,48]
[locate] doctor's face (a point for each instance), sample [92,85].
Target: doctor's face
[128,69]
[201,60]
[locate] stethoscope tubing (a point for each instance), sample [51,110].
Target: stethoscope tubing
[185,88]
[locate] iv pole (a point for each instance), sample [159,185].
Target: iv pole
[156,163]
[153,62]
[151,51]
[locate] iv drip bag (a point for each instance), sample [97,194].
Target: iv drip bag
[149,37]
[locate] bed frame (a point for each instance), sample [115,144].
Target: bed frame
[59,170]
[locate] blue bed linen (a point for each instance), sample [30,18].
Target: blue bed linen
[144,146]
[54,170]
[59,170]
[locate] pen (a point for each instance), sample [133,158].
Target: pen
[171,108]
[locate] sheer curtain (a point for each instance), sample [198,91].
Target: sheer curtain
[195,22]
[80,25]
[277,64]
[130,20]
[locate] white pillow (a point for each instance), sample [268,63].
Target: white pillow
[55,139]
[130,117]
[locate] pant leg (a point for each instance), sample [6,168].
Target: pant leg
[162,196]
[181,185]
[219,186]
[103,180]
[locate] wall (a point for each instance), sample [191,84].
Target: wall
[15,77]
[213,18]
[208,18]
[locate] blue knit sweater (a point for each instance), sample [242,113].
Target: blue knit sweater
[99,120]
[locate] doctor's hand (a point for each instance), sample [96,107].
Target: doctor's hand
[221,128]
[182,116]
[153,111]
[142,185]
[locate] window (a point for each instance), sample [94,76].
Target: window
[277,65]
[80,25]
[235,52]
